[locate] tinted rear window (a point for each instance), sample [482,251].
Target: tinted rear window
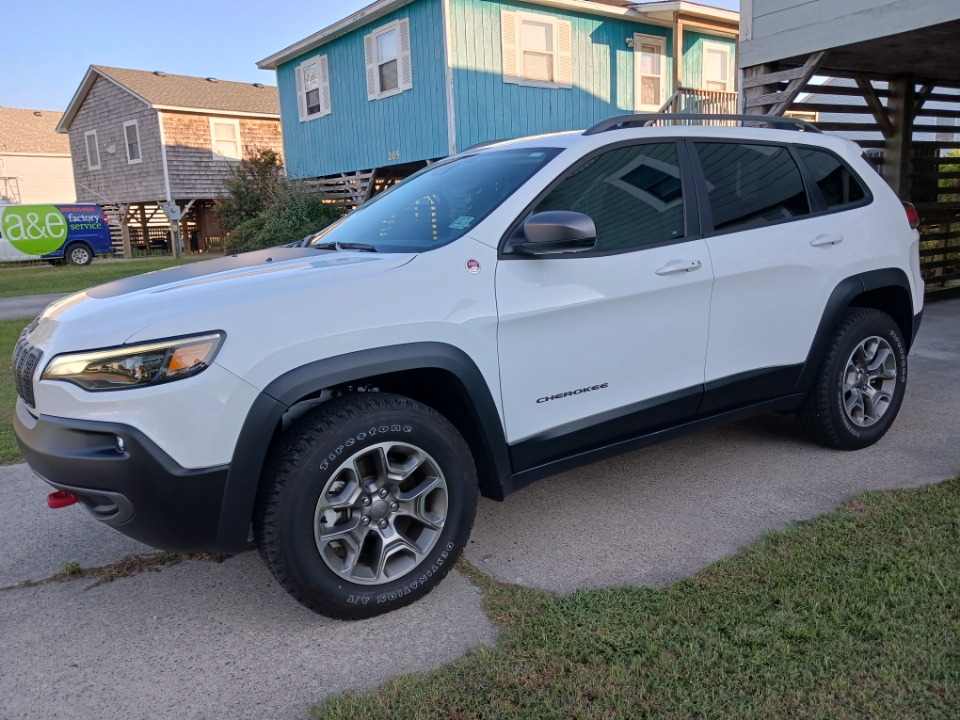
[837,184]
[751,186]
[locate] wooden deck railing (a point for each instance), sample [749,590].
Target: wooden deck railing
[696,100]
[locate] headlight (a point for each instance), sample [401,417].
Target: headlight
[137,365]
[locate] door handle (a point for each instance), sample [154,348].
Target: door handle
[678,266]
[827,240]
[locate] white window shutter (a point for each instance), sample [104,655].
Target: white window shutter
[509,38]
[406,65]
[373,82]
[564,54]
[301,100]
[325,108]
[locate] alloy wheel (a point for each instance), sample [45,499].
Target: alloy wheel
[381,513]
[869,380]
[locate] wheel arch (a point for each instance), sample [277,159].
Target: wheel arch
[887,289]
[439,375]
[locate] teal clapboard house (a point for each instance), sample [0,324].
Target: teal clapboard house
[402,82]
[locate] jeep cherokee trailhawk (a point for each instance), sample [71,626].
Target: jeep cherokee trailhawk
[505,314]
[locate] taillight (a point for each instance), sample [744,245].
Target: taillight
[912,217]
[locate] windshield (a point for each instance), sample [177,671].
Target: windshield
[439,204]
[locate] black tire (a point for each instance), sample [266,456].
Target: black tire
[78,253]
[823,414]
[303,462]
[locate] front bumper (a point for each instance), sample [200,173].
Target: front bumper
[141,491]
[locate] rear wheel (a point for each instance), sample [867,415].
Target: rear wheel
[860,384]
[365,504]
[78,254]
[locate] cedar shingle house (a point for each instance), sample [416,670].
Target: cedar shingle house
[141,140]
[34,160]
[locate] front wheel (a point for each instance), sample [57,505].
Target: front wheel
[79,254]
[860,384]
[365,504]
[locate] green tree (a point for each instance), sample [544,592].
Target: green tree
[250,189]
[262,209]
[294,211]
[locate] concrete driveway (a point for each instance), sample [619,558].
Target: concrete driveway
[206,640]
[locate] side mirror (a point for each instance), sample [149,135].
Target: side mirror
[557,231]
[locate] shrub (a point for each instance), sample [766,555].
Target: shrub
[250,189]
[293,212]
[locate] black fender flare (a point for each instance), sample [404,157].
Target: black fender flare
[268,408]
[841,297]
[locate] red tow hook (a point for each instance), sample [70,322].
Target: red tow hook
[61,499]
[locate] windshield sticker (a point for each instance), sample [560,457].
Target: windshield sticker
[461,223]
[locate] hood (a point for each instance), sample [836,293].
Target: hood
[225,268]
[202,296]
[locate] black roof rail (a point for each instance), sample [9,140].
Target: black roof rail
[627,121]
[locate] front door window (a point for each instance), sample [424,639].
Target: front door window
[651,76]
[716,67]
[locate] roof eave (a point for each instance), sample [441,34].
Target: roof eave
[81,94]
[26,153]
[331,32]
[383,7]
[77,100]
[211,111]
[665,10]
[658,13]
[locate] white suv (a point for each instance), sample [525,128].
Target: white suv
[503,315]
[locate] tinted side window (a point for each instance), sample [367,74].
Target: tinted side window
[837,184]
[633,194]
[751,185]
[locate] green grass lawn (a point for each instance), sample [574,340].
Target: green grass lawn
[853,615]
[44,279]
[9,332]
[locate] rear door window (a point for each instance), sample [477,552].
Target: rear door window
[750,186]
[838,185]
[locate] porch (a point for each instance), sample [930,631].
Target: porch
[149,232]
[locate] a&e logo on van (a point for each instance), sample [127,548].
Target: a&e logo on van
[34,229]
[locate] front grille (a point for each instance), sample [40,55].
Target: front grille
[25,360]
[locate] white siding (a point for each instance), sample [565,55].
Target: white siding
[779,29]
[42,179]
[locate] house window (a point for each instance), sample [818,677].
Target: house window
[536,50]
[387,74]
[313,88]
[717,74]
[131,137]
[389,66]
[225,133]
[93,150]
[651,71]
